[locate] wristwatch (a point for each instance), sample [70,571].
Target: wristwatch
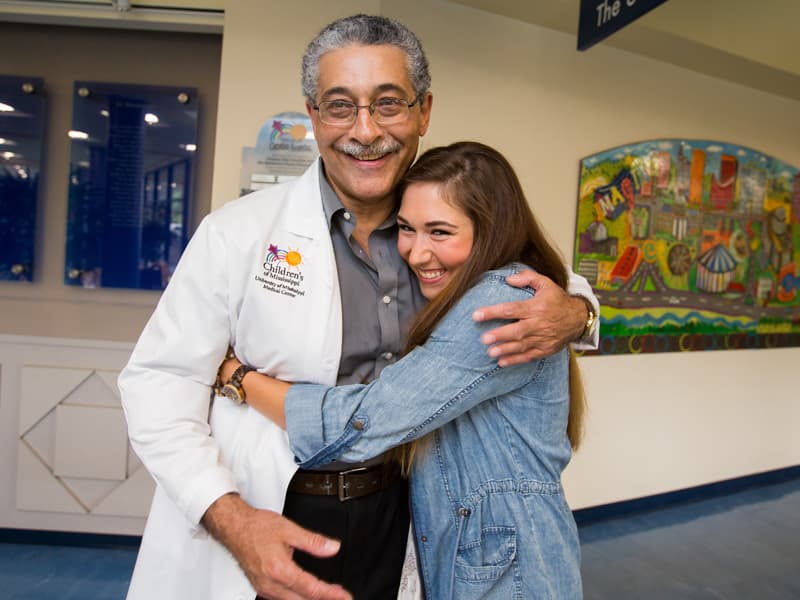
[591,320]
[233,389]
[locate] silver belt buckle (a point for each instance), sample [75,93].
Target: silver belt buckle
[343,497]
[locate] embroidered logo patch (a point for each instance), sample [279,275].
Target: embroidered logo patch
[282,272]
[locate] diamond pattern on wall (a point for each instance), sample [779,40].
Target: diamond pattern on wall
[89,492]
[74,455]
[43,388]
[93,391]
[41,438]
[37,489]
[91,442]
[131,498]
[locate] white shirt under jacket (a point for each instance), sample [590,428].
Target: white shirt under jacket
[285,318]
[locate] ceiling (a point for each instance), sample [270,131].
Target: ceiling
[752,43]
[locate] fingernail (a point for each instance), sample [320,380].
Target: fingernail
[494,352]
[332,545]
[487,338]
[477,315]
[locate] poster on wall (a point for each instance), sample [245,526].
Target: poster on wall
[690,245]
[285,147]
[22,117]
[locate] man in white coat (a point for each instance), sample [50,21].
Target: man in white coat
[302,280]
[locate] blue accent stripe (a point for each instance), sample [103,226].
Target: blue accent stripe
[627,508]
[68,538]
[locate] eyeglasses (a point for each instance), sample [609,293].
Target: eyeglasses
[384,111]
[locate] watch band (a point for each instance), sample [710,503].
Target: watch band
[233,389]
[591,320]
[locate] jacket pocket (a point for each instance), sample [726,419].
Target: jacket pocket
[485,566]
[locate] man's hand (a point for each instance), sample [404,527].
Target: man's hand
[542,325]
[263,542]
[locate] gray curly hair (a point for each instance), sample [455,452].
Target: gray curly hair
[366,30]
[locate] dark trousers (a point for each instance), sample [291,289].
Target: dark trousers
[373,530]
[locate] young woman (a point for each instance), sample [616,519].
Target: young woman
[485,446]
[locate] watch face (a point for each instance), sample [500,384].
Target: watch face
[232,393]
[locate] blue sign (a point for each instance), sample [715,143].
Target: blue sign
[600,18]
[22,106]
[130,187]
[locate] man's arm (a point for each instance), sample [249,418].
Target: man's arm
[542,325]
[165,391]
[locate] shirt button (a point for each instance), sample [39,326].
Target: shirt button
[424,538]
[346,216]
[358,424]
[463,512]
[386,299]
[387,355]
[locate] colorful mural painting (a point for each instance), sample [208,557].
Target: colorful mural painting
[690,245]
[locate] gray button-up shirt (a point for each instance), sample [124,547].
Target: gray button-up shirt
[380,294]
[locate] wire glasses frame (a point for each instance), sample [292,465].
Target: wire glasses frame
[384,111]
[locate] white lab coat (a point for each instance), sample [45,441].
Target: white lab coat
[287,321]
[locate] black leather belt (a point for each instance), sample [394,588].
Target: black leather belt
[349,484]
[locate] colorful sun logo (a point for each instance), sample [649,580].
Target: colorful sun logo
[291,257]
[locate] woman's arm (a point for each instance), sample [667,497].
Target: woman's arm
[262,392]
[435,383]
[323,412]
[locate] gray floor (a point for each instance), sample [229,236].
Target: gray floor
[744,546]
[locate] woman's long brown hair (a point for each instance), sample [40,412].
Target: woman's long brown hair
[479,181]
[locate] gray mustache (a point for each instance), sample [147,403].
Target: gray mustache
[379,147]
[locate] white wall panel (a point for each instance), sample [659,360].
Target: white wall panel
[64,452]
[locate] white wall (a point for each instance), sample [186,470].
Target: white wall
[658,422]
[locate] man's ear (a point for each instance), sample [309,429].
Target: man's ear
[311,113]
[425,105]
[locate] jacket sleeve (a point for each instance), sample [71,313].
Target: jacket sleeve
[578,286]
[165,388]
[433,384]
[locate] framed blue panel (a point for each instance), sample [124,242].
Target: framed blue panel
[131,166]
[22,114]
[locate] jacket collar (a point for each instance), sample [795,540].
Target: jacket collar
[307,218]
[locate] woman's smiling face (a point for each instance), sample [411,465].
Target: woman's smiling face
[435,237]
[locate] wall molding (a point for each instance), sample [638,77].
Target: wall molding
[96,14]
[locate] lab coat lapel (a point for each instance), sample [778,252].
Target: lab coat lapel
[307,220]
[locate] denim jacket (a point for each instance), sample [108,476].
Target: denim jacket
[489,513]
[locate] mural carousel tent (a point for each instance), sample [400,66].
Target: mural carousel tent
[715,269]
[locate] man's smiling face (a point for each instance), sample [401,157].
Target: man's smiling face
[364,161]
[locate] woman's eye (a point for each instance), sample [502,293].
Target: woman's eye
[440,232]
[404,227]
